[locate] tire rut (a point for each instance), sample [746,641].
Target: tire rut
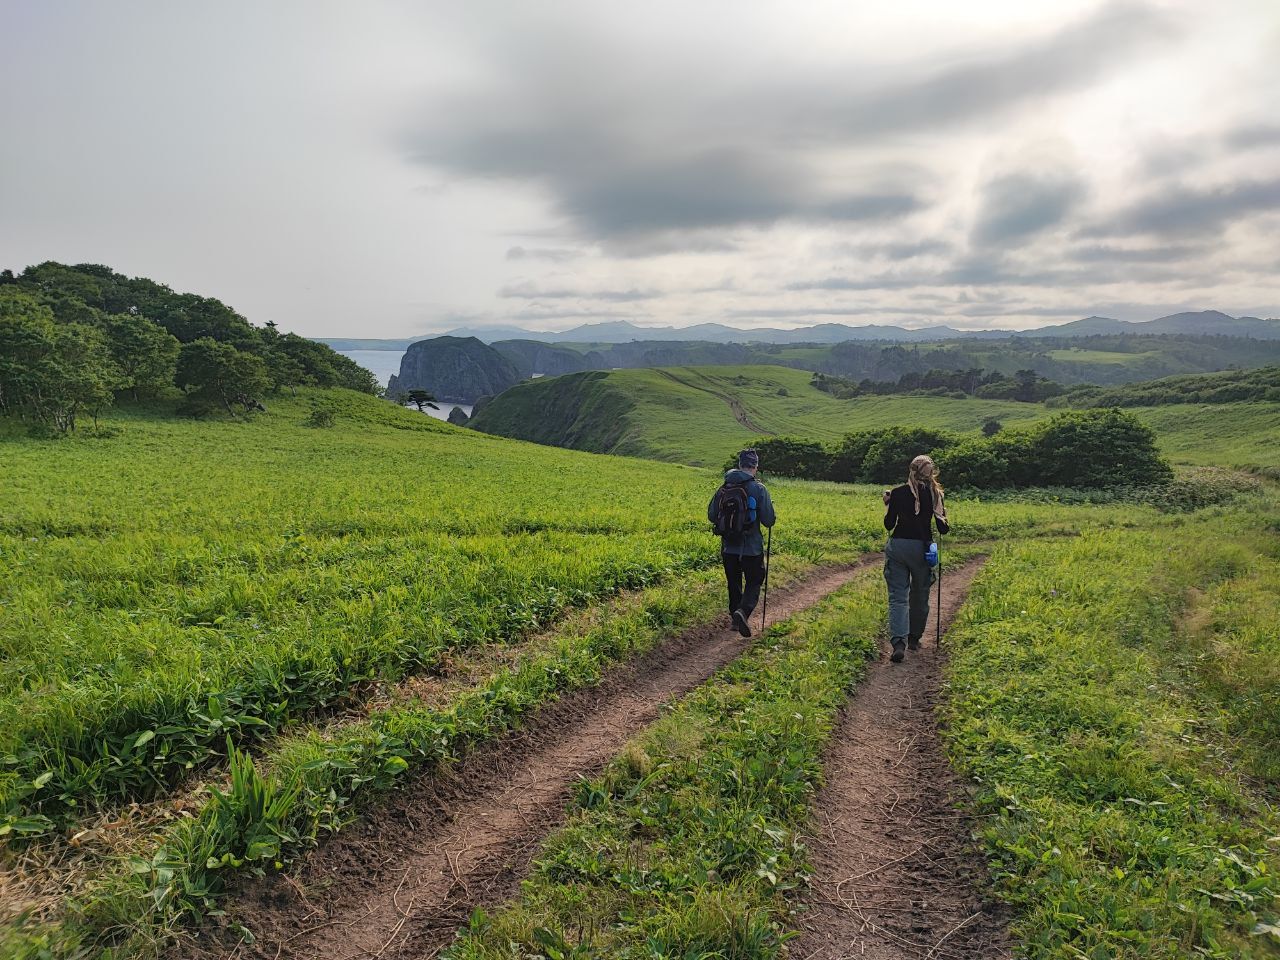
[401,882]
[735,405]
[895,872]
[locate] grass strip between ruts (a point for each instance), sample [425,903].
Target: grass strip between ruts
[686,845]
[312,784]
[1116,827]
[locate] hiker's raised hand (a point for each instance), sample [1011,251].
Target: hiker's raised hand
[887,494]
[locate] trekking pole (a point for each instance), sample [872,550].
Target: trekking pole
[764,609]
[937,641]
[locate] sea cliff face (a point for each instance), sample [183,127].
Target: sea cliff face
[454,368]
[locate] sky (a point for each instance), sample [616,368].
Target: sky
[385,169]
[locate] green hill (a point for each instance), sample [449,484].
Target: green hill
[699,415]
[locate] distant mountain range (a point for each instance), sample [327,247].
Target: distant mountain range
[1196,323]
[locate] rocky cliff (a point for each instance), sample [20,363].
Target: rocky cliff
[454,368]
[547,359]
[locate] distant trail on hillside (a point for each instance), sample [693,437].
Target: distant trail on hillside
[895,873]
[402,882]
[735,405]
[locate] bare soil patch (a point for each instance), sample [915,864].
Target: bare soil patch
[896,873]
[401,882]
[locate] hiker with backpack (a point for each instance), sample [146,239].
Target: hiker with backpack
[737,511]
[910,512]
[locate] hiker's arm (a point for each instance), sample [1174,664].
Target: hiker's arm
[940,516]
[764,509]
[890,514]
[711,509]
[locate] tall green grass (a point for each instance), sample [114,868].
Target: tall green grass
[1117,828]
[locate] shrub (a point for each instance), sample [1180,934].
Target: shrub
[320,417]
[893,449]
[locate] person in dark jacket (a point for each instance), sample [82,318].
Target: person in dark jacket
[743,554]
[910,512]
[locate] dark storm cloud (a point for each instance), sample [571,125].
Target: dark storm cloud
[623,150]
[1018,205]
[1188,211]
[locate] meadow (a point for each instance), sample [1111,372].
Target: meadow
[209,629]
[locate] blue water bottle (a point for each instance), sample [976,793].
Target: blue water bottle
[931,555]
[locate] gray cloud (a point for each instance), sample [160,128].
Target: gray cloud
[1256,135]
[1018,205]
[550,254]
[1189,211]
[630,155]
[530,291]
[1171,253]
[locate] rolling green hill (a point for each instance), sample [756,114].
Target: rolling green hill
[699,415]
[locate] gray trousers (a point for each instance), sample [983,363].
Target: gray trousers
[909,577]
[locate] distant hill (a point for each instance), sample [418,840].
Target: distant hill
[1197,323]
[1201,323]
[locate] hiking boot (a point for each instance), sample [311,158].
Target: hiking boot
[740,623]
[899,650]
[913,643]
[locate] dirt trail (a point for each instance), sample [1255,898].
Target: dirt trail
[400,883]
[895,873]
[735,405]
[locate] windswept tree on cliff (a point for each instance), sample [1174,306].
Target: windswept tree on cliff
[421,399]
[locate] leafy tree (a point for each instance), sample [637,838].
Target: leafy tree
[81,378]
[26,340]
[146,354]
[210,370]
[51,372]
[990,427]
[421,399]
[892,451]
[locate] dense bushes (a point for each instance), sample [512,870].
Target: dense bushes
[1026,386]
[1229,386]
[73,337]
[1088,449]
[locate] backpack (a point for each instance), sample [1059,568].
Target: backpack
[734,510]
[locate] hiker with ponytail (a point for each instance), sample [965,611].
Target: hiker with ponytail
[910,512]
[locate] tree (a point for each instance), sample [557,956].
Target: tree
[210,370]
[991,426]
[82,376]
[421,398]
[146,354]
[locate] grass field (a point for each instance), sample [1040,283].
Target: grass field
[206,628]
[700,415]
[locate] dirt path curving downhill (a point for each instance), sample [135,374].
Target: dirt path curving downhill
[895,873]
[400,883]
[735,405]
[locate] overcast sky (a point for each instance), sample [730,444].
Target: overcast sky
[386,169]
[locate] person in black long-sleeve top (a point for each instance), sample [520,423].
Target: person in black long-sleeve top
[910,512]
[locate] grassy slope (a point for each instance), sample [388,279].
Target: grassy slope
[689,422]
[646,413]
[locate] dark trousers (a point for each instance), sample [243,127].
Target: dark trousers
[736,570]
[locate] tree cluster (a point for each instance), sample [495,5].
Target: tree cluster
[1084,449]
[72,338]
[1229,386]
[1025,386]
